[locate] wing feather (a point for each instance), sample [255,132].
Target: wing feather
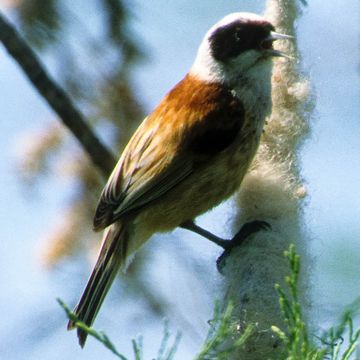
[145,171]
[166,149]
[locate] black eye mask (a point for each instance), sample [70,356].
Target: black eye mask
[233,39]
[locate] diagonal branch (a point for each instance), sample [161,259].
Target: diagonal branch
[56,97]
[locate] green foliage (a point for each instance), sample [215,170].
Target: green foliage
[296,341]
[98,335]
[222,329]
[166,351]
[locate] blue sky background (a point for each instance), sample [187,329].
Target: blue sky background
[328,34]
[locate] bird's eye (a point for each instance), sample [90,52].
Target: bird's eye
[238,35]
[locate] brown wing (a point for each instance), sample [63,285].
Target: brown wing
[192,124]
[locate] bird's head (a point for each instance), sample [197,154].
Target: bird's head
[238,44]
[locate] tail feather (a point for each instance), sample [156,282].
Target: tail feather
[112,256]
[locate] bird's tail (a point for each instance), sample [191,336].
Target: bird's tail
[112,256]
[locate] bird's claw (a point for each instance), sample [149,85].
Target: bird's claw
[246,230]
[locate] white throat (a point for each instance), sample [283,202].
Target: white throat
[240,74]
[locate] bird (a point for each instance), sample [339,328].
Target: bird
[190,154]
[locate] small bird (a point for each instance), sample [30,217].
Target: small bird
[190,154]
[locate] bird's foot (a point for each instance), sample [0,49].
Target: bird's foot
[246,230]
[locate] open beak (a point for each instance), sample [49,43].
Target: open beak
[277,36]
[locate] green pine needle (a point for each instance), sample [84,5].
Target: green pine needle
[298,345]
[220,343]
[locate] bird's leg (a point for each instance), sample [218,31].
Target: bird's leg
[245,231]
[190,225]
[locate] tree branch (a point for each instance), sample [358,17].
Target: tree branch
[56,97]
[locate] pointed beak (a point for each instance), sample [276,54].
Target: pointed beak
[277,36]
